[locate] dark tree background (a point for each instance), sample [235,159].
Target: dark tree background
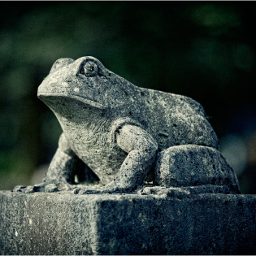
[204,50]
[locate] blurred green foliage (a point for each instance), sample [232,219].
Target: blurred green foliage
[205,50]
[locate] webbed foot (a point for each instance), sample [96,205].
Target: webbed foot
[96,189]
[164,191]
[48,187]
[83,191]
[19,188]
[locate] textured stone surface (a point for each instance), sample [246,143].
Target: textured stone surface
[64,223]
[117,130]
[192,165]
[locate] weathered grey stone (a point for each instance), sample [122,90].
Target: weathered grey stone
[163,223]
[192,165]
[117,129]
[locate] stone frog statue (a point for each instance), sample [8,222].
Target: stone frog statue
[126,135]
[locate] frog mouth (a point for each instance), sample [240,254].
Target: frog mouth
[48,97]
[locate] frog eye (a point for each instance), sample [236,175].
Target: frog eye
[89,69]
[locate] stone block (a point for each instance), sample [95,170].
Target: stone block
[64,223]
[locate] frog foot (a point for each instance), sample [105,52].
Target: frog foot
[96,189]
[19,188]
[48,187]
[88,190]
[172,192]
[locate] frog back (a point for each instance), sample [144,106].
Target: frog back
[171,119]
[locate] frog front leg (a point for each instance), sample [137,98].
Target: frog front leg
[60,174]
[141,148]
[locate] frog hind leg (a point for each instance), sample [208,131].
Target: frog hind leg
[199,169]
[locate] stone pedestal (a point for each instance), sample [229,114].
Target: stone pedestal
[64,223]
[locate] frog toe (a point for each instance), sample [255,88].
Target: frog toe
[51,188]
[19,188]
[24,189]
[83,191]
[30,189]
[76,190]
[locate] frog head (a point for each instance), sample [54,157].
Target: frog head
[85,80]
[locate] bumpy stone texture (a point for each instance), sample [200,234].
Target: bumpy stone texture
[193,165]
[117,129]
[170,222]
